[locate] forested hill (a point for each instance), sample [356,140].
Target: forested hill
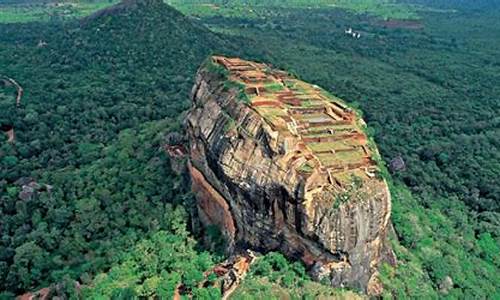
[86,177]
[130,60]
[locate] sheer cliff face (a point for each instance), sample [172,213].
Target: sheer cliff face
[279,164]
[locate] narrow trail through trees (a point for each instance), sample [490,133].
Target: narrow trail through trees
[20,91]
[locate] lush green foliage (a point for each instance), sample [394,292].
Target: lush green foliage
[436,243]
[90,126]
[387,9]
[157,266]
[12,11]
[83,223]
[274,277]
[100,95]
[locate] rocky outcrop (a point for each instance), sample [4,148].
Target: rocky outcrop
[279,164]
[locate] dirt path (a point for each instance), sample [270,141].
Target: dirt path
[20,91]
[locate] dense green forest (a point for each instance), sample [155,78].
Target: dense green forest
[251,8]
[86,189]
[89,133]
[15,11]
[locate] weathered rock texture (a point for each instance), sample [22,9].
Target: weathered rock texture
[279,164]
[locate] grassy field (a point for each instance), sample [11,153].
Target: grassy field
[386,9]
[28,11]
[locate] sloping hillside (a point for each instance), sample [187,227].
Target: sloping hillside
[76,189]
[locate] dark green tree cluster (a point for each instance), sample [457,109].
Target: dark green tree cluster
[159,267]
[90,215]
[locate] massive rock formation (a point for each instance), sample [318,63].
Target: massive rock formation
[279,164]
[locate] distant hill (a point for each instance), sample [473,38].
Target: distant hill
[140,46]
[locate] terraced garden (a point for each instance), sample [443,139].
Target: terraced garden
[326,131]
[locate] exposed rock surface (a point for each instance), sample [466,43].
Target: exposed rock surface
[446,285]
[279,164]
[397,164]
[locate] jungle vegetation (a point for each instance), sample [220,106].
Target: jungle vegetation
[100,94]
